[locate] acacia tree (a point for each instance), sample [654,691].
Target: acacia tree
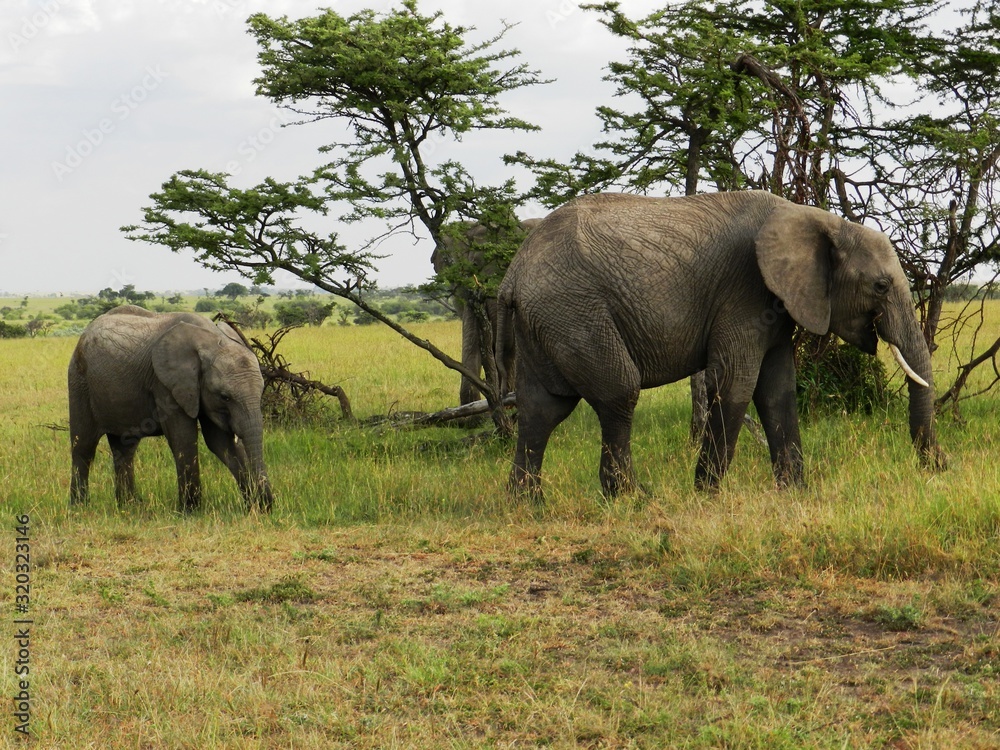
[403,84]
[741,94]
[935,170]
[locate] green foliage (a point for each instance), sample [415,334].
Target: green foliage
[472,257]
[908,617]
[252,231]
[832,376]
[399,79]
[207,304]
[251,316]
[89,307]
[12,330]
[233,290]
[739,94]
[302,312]
[69,311]
[127,295]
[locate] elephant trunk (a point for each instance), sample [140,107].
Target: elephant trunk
[910,349]
[253,482]
[259,492]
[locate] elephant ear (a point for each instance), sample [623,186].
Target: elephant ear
[177,363]
[230,333]
[796,252]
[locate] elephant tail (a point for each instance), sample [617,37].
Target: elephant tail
[504,350]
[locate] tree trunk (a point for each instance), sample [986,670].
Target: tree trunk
[501,419]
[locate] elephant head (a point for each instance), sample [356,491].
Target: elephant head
[218,381]
[837,276]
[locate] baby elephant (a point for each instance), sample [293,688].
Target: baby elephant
[137,374]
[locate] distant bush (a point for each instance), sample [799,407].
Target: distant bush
[212,304]
[69,311]
[11,313]
[12,330]
[302,312]
[414,316]
[250,316]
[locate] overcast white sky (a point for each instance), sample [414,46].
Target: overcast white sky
[105,99]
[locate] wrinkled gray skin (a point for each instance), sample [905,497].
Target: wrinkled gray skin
[447,254]
[615,293]
[136,374]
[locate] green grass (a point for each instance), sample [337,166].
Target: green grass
[397,597]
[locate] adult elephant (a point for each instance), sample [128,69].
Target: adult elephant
[463,250]
[615,293]
[137,374]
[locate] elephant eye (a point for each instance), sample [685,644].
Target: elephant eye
[882,286]
[226,397]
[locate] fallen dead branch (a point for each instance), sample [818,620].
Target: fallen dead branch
[429,419]
[275,369]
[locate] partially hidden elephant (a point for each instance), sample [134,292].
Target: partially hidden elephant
[466,248]
[137,374]
[615,293]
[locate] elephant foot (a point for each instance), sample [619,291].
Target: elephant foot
[790,483]
[189,504]
[260,502]
[933,458]
[617,478]
[706,482]
[523,485]
[622,487]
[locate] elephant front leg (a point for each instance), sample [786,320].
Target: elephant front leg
[182,436]
[726,407]
[776,405]
[123,454]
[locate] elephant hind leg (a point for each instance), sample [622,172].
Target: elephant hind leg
[617,474]
[84,448]
[539,412]
[123,454]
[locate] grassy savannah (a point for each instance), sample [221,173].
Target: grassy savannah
[398,597]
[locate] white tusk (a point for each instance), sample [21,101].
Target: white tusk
[906,367]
